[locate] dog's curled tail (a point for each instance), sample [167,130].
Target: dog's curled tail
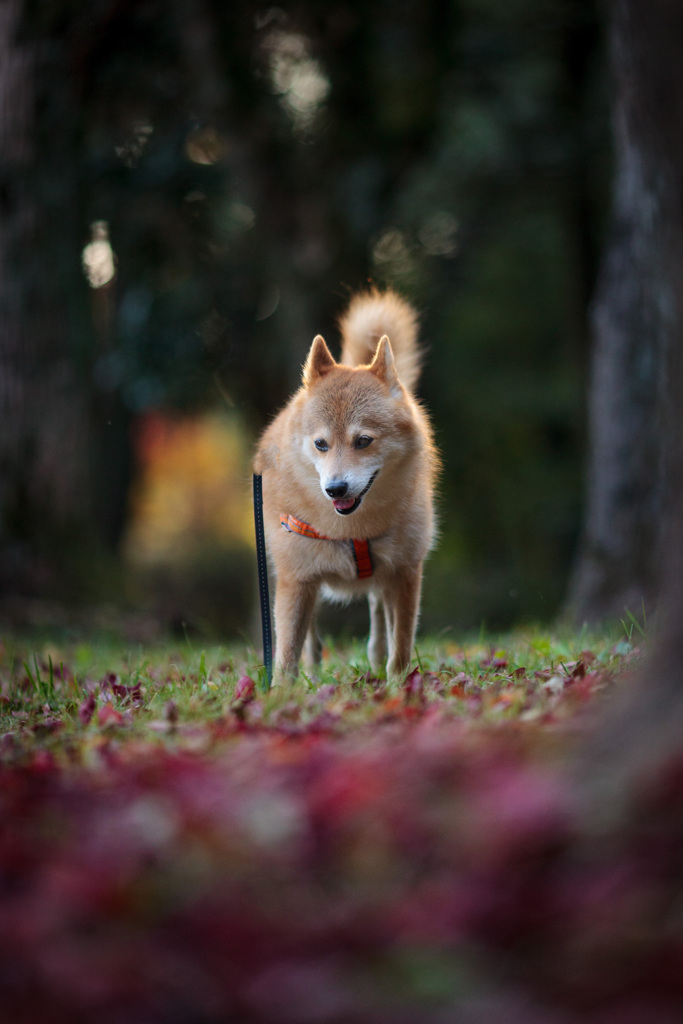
[369,316]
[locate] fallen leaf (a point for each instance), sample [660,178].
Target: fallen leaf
[413,688]
[108,716]
[245,689]
[87,708]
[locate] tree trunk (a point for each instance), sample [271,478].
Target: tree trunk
[642,728]
[634,322]
[44,453]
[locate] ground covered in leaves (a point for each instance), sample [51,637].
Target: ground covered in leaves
[178,846]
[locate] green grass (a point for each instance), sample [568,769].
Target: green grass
[183,694]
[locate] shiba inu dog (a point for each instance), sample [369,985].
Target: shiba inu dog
[348,471]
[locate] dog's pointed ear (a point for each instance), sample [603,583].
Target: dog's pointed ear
[383,366]
[319,361]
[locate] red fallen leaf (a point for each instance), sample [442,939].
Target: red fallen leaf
[344,789]
[48,724]
[434,682]
[245,690]
[254,712]
[463,681]
[289,712]
[108,716]
[325,722]
[458,690]
[245,693]
[475,703]
[516,808]
[583,690]
[132,694]
[87,708]
[494,661]
[413,688]
[43,762]
[8,743]
[585,686]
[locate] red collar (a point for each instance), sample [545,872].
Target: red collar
[361,548]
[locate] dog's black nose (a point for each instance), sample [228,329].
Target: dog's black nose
[337,489]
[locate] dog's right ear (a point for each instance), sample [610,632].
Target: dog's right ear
[319,361]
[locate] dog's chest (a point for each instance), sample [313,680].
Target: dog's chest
[342,562]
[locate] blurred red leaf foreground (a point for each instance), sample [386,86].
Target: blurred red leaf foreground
[415,868]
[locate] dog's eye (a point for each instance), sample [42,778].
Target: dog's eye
[321,445]
[363,441]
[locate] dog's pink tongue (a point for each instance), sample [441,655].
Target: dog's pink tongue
[343,503]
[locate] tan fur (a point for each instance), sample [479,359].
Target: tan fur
[370,315]
[341,404]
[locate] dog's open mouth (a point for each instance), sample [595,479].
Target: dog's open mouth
[345,506]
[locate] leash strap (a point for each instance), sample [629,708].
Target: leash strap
[262,565]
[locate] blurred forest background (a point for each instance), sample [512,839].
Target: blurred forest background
[189,192]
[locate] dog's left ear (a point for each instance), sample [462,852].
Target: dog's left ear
[383,366]
[319,361]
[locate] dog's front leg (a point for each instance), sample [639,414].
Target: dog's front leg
[377,641]
[402,603]
[294,604]
[313,645]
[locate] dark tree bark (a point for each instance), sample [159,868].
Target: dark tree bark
[642,729]
[634,322]
[44,468]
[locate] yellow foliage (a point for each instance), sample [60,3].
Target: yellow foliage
[192,490]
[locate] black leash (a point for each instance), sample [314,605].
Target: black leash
[262,565]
